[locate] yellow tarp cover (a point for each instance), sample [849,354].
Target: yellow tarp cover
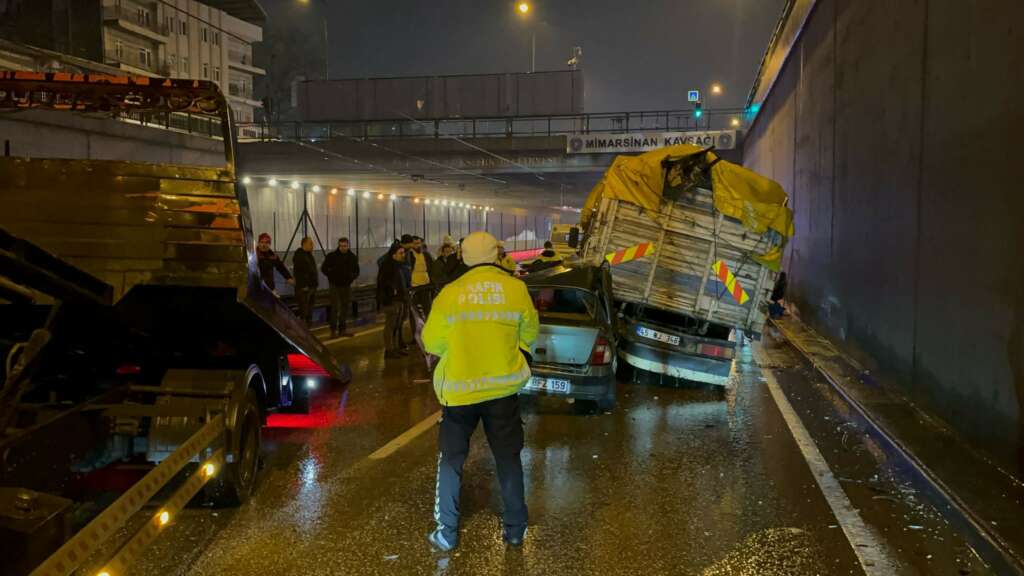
[758,202]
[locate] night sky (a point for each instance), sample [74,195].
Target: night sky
[640,55]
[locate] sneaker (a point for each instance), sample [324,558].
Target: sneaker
[439,542]
[514,537]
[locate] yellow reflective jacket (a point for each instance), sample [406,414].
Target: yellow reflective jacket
[477,326]
[508,264]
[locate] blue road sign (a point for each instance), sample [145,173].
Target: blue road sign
[693,96]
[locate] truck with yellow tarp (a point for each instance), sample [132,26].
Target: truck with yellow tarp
[695,245]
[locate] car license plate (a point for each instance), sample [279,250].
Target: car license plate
[659,336]
[549,384]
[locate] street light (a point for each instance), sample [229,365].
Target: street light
[735,122]
[716,89]
[524,8]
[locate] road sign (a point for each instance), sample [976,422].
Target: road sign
[693,96]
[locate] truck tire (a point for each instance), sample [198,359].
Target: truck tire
[235,484]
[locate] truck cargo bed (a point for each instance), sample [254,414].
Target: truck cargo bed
[689,237]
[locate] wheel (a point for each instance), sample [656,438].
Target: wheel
[235,483]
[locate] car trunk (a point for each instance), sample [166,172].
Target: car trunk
[565,339]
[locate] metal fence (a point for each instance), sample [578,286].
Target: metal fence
[605,122]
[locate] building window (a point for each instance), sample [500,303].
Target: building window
[169,24]
[216,38]
[145,57]
[216,74]
[184,27]
[184,66]
[206,34]
[118,49]
[206,70]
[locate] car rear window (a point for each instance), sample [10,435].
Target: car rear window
[564,301]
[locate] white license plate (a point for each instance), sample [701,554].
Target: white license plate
[659,336]
[549,384]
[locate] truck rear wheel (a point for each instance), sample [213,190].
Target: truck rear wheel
[235,485]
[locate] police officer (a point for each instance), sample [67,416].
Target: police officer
[480,326]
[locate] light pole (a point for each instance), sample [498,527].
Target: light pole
[326,51]
[524,8]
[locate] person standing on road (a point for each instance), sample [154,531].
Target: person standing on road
[439,269]
[267,261]
[391,294]
[419,262]
[504,260]
[306,279]
[341,268]
[481,327]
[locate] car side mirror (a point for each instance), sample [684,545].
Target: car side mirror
[574,237]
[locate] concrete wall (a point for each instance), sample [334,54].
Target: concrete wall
[893,126]
[43,134]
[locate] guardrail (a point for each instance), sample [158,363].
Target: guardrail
[597,123]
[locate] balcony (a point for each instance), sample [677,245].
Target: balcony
[137,19]
[130,60]
[240,91]
[242,60]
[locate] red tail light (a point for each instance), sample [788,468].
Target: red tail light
[302,365]
[712,350]
[129,370]
[602,353]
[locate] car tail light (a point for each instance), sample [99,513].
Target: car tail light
[602,353]
[129,370]
[712,350]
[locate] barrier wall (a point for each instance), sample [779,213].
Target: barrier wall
[893,126]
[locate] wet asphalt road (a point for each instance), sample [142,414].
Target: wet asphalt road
[673,481]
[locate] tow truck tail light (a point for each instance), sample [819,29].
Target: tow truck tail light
[602,353]
[718,351]
[129,370]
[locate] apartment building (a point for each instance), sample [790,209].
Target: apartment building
[209,40]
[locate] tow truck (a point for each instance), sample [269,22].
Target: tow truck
[142,351]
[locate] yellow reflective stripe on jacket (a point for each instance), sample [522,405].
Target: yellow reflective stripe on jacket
[477,326]
[488,382]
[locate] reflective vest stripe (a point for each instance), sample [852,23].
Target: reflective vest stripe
[488,381]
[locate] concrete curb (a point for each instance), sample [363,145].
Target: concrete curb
[990,546]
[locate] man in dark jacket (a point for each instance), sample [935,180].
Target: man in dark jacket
[391,296]
[341,268]
[267,262]
[306,279]
[441,267]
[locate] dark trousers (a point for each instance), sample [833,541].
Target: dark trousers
[504,428]
[340,296]
[392,326]
[305,297]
